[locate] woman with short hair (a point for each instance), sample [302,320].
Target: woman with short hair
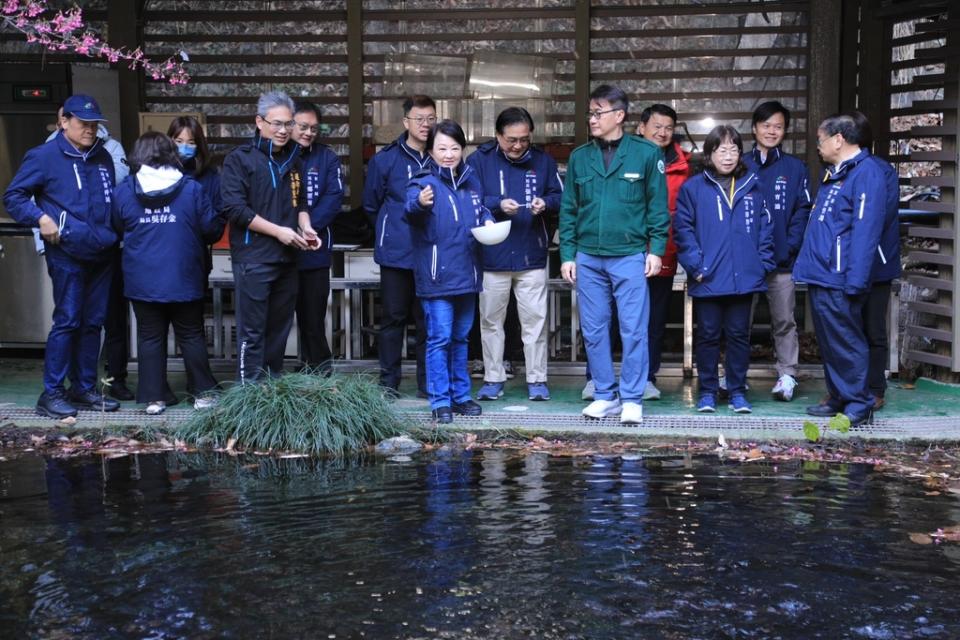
[443,204]
[166,221]
[724,238]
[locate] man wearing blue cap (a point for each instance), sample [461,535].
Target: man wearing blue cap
[65,187]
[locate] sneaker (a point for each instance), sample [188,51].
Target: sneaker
[468,408]
[602,408]
[632,413]
[707,403]
[740,404]
[205,402]
[588,390]
[508,368]
[650,392]
[490,391]
[476,370]
[442,415]
[538,391]
[56,406]
[783,390]
[156,408]
[724,392]
[92,400]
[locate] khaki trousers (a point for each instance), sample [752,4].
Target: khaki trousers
[782,299]
[530,289]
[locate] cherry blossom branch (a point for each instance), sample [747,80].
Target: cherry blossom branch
[66,31]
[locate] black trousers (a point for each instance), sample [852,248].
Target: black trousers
[116,351]
[660,288]
[153,323]
[398,301]
[266,297]
[311,317]
[875,327]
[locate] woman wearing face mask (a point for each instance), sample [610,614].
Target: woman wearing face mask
[724,237]
[444,201]
[187,133]
[166,221]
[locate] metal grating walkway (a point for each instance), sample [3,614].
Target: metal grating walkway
[738,427]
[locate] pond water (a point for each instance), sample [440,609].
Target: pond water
[475,544]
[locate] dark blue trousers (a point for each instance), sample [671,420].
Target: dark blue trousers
[838,322]
[723,317]
[660,288]
[81,291]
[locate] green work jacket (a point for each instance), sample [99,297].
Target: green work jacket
[619,211]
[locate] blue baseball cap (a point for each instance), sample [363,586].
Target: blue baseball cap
[83,107]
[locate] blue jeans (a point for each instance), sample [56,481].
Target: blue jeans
[838,322]
[601,281]
[448,321]
[719,317]
[81,292]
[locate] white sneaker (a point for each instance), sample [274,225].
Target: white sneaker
[588,390]
[602,408]
[650,392]
[156,408]
[206,402]
[632,413]
[783,390]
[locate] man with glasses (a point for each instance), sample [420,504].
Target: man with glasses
[521,184]
[614,224]
[384,196]
[784,182]
[836,261]
[323,184]
[264,200]
[65,187]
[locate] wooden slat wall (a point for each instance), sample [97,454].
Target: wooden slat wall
[923,81]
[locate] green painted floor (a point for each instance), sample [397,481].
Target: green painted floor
[20,384]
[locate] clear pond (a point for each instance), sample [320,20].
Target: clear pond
[476,544]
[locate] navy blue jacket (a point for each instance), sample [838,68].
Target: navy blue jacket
[446,256]
[74,188]
[534,175]
[887,266]
[324,184]
[784,181]
[209,180]
[731,247]
[165,237]
[384,195]
[255,181]
[841,240]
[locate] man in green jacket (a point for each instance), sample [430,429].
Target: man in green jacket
[613,231]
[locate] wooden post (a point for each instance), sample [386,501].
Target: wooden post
[581,88]
[823,80]
[123,25]
[355,99]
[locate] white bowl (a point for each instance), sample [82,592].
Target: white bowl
[493,233]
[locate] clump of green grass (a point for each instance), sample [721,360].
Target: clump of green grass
[299,412]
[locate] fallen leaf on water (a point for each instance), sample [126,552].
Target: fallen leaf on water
[931,493]
[921,538]
[947,534]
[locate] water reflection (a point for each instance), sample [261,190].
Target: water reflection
[476,544]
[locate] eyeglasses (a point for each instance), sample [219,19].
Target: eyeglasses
[303,128]
[820,141]
[517,141]
[596,115]
[422,120]
[276,125]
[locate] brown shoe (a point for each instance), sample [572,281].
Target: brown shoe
[878,403]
